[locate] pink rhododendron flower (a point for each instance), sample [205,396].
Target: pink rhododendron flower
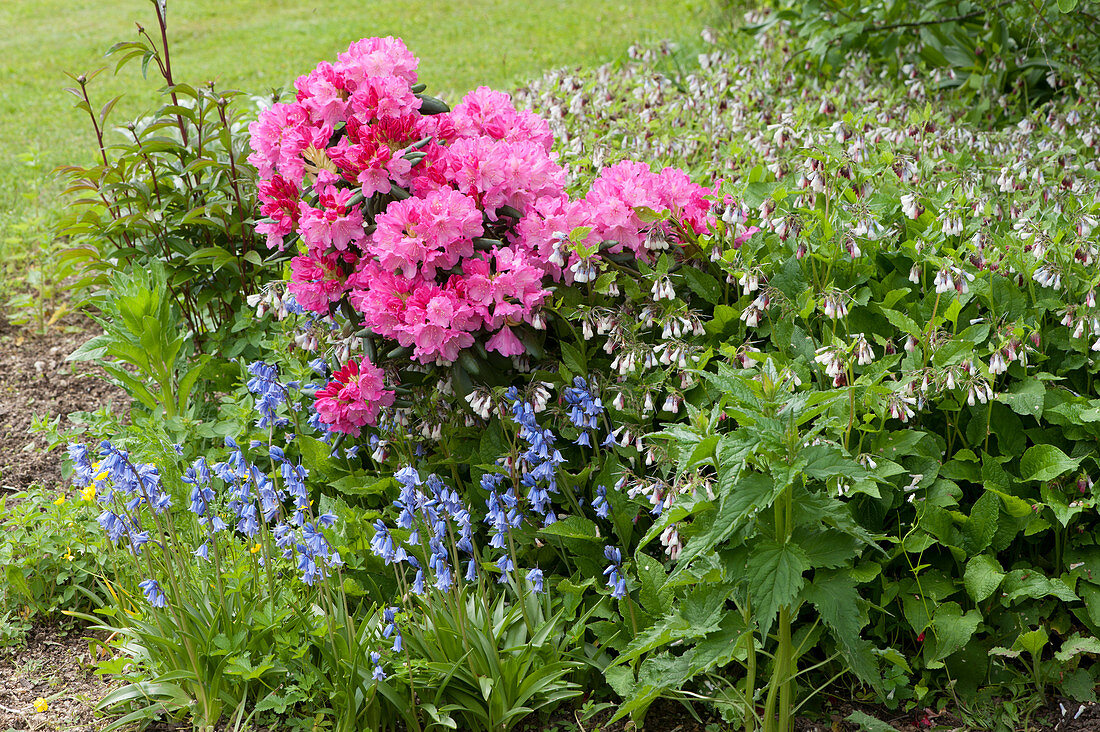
[267,138]
[492,172]
[323,94]
[377,57]
[386,202]
[353,398]
[336,222]
[419,235]
[505,343]
[484,112]
[615,196]
[318,281]
[279,202]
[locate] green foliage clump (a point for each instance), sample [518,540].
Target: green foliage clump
[176,191]
[1014,53]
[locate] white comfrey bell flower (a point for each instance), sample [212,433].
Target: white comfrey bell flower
[864,353]
[909,205]
[997,363]
[944,282]
[915,273]
[749,282]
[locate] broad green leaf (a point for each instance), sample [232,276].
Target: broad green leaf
[901,321]
[980,528]
[1029,583]
[774,577]
[739,500]
[1045,462]
[1033,641]
[867,723]
[574,359]
[837,601]
[655,597]
[702,284]
[953,629]
[573,527]
[982,577]
[1075,645]
[1025,398]
[1079,686]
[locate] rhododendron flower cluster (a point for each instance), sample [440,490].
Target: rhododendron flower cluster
[433,228]
[353,398]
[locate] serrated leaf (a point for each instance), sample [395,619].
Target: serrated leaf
[836,600]
[1075,645]
[867,723]
[982,577]
[774,577]
[1045,462]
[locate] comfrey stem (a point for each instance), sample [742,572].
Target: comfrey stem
[750,670]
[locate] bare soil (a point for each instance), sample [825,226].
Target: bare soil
[56,667]
[36,381]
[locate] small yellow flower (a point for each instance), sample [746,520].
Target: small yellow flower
[101,476]
[88,494]
[40,705]
[60,500]
[255,548]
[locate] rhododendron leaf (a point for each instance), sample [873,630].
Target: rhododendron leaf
[431,105]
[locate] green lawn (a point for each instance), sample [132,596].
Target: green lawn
[255,45]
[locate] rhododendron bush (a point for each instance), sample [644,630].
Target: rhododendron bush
[441,229]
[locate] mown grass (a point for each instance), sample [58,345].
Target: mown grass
[255,46]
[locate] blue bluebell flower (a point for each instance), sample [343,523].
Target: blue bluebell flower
[535,578]
[153,593]
[615,579]
[599,503]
